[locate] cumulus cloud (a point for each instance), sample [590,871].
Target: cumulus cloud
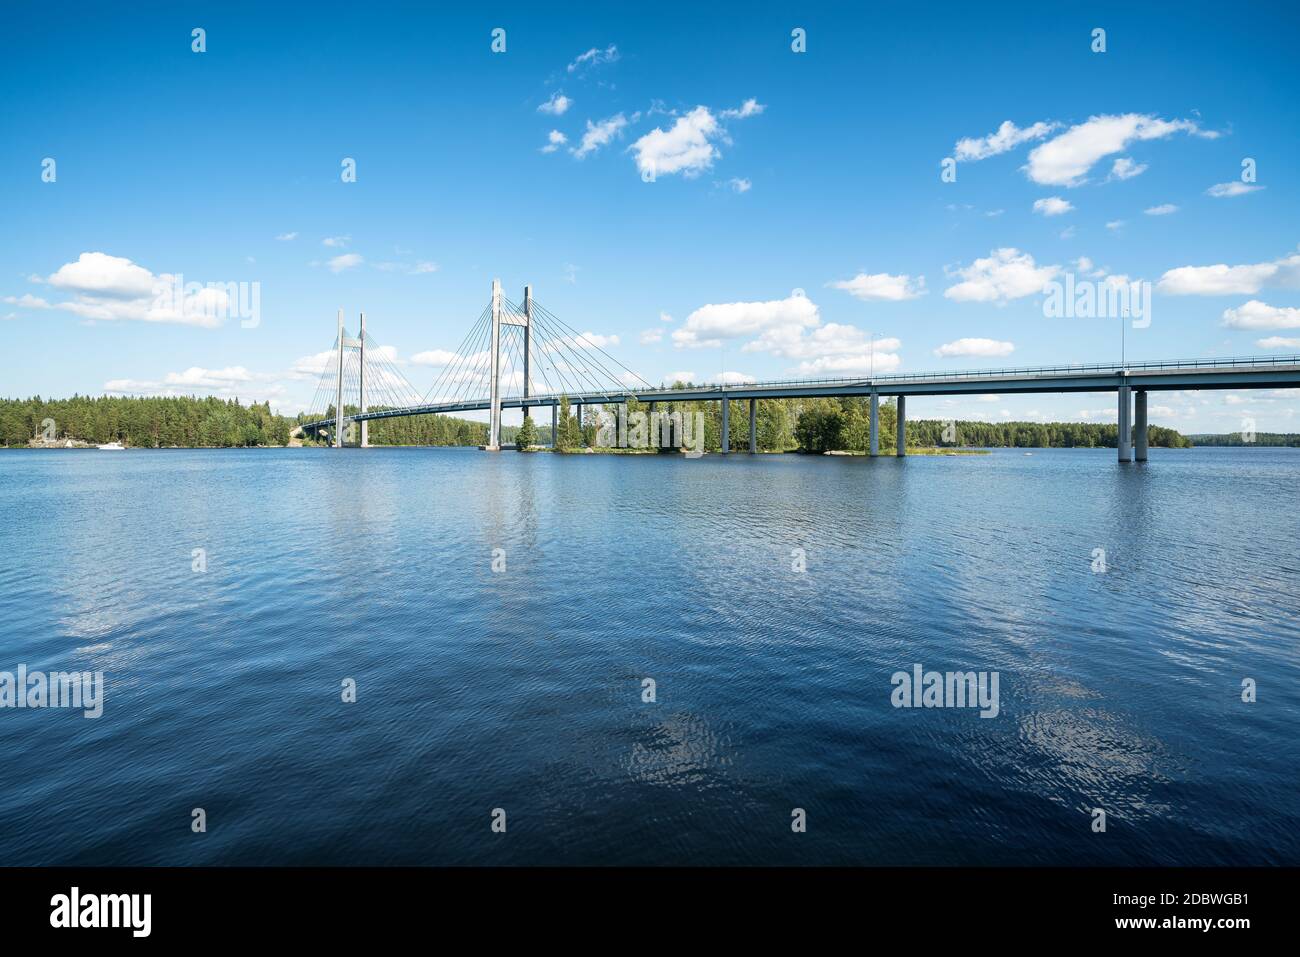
[434,357]
[688,146]
[882,286]
[1234,188]
[1164,209]
[682,376]
[730,378]
[974,347]
[1066,159]
[1052,206]
[599,134]
[1278,342]
[110,288]
[1125,168]
[1006,137]
[709,325]
[557,105]
[554,140]
[287,237]
[1221,279]
[1258,315]
[651,336]
[336,242]
[739,185]
[1004,275]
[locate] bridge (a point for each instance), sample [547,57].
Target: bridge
[512,349]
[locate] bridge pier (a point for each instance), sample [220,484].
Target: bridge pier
[1140,426]
[874,448]
[753,426]
[726,425]
[902,425]
[361,375]
[555,424]
[494,366]
[1125,424]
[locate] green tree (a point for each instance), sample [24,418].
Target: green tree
[527,435]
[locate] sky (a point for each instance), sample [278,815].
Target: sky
[750,191]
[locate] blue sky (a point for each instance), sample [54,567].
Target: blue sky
[775,171]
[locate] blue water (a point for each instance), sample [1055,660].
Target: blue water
[522,689]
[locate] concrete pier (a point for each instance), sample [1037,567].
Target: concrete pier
[726,425]
[555,424]
[902,426]
[753,426]
[1125,423]
[1140,426]
[875,425]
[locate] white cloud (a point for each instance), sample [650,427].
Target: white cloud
[1234,188]
[882,286]
[1164,209]
[679,377]
[599,134]
[1008,136]
[688,146]
[1052,206]
[1066,159]
[585,340]
[311,367]
[434,357]
[739,185]
[1221,279]
[707,326]
[593,58]
[103,275]
[651,336]
[664,317]
[112,288]
[336,242]
[1006,274]
[685,149]
[1278,342]
[1115,225]
[731,378]
[28,301]
[750,107]
[287,237]
[1258,315]
[858,363]
[974,347]
[346,261]
[1125,168]
[557,105]
[410,269]
[554,140]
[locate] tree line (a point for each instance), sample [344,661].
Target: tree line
[143,421]
[783,425]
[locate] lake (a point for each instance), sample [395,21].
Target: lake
[499,614]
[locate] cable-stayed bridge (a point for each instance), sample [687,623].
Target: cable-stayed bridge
[522,356]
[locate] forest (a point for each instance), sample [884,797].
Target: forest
[783,425]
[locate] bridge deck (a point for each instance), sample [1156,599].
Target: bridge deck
[1261,372]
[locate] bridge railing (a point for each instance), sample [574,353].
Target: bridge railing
[1113,367]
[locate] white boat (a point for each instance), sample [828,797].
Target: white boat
[113,446]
